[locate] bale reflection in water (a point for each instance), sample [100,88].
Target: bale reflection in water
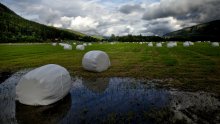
[129,100]
[96,85]
[122,96]
[50,114]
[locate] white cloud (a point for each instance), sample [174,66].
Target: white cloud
[58,25]
[119,29]
[120,18]
[83,23]
[66,19]
[194,10]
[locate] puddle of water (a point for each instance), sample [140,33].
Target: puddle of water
[112,100]
[4,76]
[51,114]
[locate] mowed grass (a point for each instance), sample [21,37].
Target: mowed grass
[196,67]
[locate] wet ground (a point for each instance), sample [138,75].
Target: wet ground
[4,76]
[112,100]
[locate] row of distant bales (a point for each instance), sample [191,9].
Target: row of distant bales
[51,83]
[149,44]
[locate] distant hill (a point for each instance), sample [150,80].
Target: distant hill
[75,32]
[14,28]
[205,31]
[98,37]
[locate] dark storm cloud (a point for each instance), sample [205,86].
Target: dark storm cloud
[127,9]
[159,27]
[46,11]
[194,10]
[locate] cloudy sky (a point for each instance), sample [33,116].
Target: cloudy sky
[119,17]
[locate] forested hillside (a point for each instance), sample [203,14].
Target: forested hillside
[205,31]
[14,28]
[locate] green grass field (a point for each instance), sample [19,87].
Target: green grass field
[193,68]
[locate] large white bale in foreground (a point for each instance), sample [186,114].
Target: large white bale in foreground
[44,85]
[96,61]
[215,44]
[67,47]
[80,47]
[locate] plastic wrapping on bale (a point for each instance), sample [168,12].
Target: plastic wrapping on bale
[191,43]
[150,44]
[186,44]
[61,44]
[80,47]
[159,44]
[54,44]
[215,44]
[171,44]
[84,44]
[44,85]
[67,47]
[96,61]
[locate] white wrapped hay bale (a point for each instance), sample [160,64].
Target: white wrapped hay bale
[89,44]
[170,45]
[44,85]
[80,47]
[54,44]
[62,44]
[174,44]
[191,43]
[67,47]
[96,61]
[150,44]
[215,44]
[84,44]
[159,44]
[186,44]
